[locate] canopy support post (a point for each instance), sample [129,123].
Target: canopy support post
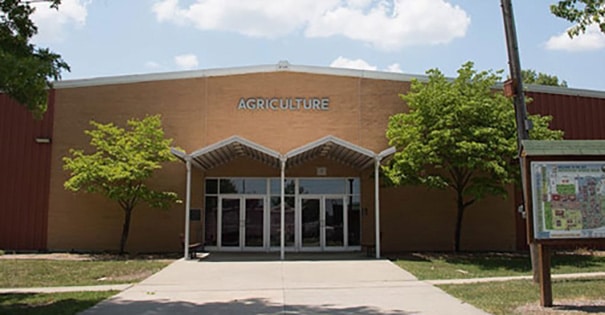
[377,204]
[282,235]
[187,207]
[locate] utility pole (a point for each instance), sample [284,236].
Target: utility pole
[515,87]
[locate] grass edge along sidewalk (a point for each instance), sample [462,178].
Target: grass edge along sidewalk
[439,266]
[24,273]
[62,303]
[34,281]
[475,277]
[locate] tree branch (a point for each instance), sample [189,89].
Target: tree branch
[468,203]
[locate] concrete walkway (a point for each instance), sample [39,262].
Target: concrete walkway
[275,287]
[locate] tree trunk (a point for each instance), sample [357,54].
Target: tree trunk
[459,216]
[125,229]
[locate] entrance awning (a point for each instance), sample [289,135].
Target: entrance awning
[329,147]
[332,148]
[229,149]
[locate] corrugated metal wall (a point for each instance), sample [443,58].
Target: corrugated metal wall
[24,176]
[579,117]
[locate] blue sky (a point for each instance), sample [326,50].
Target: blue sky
[101,38]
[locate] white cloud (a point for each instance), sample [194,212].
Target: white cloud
[592,39]
[359,64]
[186,62]
[384,24]
[53,24]
[394,68]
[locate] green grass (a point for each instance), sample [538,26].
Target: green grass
[16,273]
[50,303]
[512,294]
[433,266]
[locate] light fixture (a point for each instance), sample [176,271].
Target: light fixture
[42,140]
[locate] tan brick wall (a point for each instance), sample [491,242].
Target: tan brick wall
[199,112]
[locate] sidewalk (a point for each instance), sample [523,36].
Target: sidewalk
[367,287]
[122,287]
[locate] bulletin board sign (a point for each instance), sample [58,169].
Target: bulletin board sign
[568,200]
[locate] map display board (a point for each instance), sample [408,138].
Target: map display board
[568,199]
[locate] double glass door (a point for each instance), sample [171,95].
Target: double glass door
[322,222]
[318,223]
[242,221]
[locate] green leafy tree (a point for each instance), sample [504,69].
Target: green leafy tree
[460,135]
[581,12]
[532,77]
[120,164]
[26,71]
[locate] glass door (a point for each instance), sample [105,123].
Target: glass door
[310,222]
[289,222]
[254,218]
[242,222]
[322,222]
[334,226]
[230,214]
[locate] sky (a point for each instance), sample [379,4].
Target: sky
[101,38]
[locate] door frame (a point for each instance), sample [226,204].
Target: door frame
[242,223]
[322,223]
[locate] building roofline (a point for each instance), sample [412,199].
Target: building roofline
[284,66]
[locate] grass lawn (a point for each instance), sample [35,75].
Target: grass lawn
[434,266]
[513,294]
[16,273]
[54,303]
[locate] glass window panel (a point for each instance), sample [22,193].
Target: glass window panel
[255,208]
[210,223]
[212,186]
[231,186]
[322,186]
[334,224]
[289,189]
[310,213]
[354,221]
[275,220]
[353,186]
[256,186]
[230,222]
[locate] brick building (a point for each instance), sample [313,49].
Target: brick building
[239,128]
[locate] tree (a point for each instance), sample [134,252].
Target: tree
[121,163]
[531,77]
[458,134]
[26,71]
[581,12]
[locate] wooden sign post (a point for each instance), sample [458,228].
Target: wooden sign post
[566,199]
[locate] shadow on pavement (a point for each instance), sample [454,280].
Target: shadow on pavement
[247,306]
[40,303]
[582,309]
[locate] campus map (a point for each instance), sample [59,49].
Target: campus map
[568,199]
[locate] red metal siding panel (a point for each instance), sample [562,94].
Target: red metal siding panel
[580,117]
[24,176]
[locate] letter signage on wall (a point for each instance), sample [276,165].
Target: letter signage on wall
[284,103]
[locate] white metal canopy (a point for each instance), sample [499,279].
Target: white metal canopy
[333,148]
[327,147]
[233,147]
